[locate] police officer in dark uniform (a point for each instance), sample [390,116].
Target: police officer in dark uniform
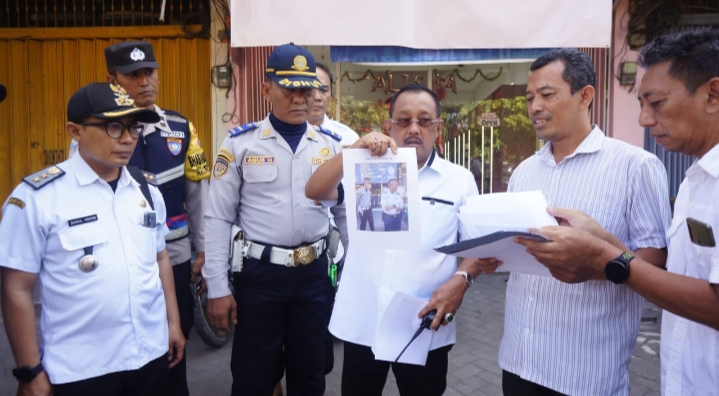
[283,290]
[171,150]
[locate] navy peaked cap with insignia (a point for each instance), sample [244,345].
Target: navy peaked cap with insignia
[108,102]
[292,67]
[126,57]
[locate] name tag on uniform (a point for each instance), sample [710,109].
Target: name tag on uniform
[82,220]
[318,161]
[172,134]
[259,160]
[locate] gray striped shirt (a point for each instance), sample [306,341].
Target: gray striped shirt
[578,339]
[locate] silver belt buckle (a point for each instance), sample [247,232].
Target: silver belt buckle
[304,255]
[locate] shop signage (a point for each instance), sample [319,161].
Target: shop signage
[489,120]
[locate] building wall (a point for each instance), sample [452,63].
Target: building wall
[623,103]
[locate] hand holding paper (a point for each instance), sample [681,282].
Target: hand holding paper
[492,221]
[397,327]
[572,255]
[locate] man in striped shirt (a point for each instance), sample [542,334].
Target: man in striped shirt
[679,97]
[577,339]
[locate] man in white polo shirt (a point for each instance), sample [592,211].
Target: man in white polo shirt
[372,277]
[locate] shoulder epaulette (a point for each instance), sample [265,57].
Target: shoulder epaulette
[150,177]
[329,133]
[237,131]
[44,177]
[174,116]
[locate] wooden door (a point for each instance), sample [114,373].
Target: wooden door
[42,74]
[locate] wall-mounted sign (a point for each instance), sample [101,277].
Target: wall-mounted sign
[489,120]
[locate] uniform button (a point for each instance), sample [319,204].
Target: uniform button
[297,158]
[297,232]
[297,206]
[677,336]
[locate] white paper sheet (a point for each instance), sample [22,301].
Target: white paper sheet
[493,220]
[518,211]
[501,246]
[396,328]
[405,161]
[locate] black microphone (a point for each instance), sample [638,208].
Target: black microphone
[426,322]
[3,93]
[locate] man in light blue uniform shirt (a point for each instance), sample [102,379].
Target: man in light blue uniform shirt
[364,205]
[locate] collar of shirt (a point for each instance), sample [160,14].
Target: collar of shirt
[433,164]
[85,175]
[710,162]
[591,144]
[326,122]
[349,136]
[269,132]
[160,125]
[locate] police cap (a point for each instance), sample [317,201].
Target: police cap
[126,57]
[108,102]
[292,67]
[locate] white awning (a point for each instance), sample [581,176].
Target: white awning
[431,24]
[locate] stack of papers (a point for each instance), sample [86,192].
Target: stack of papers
[493,220]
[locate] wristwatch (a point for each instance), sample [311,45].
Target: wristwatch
[26,374]
[467,277]
[617,270]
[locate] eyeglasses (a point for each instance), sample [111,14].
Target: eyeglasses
[115,129]
[422,122]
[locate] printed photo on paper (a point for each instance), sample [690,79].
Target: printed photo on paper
[385,199]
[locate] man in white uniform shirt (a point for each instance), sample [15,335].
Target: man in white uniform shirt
[578,339]
[392,204]
[92,231]
[372,276]
[322,99]
[318,117]
[679,96]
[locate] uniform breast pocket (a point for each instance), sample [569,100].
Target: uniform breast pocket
[441,214]
[259,173]
[84,239]
[146,243]
[144,238]
[260,179]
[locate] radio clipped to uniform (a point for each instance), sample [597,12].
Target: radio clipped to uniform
[237,246]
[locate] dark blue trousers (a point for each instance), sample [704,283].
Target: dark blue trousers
[281,308]
[392,223]
[151,379]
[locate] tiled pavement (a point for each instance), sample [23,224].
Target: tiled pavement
[473,368]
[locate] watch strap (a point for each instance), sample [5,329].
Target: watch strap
[467,277]
[621,262]
[26,374]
